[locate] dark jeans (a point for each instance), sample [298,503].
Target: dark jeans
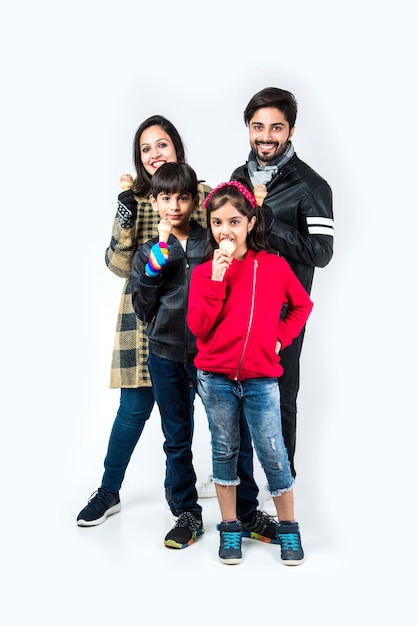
[171,385]
[134,409]
[289,387]
[247,490]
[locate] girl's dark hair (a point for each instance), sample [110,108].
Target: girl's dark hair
[257,237]
[281,99]
[142,181]
[174,178]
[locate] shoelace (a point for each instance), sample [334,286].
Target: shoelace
[265,517]
[96,499]
[262,520]
[231,540]
[187,520]
[206,484]
[290,541]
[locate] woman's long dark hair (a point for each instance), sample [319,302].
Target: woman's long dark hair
[257,237]
[142,181]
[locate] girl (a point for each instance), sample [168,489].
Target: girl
[235,312]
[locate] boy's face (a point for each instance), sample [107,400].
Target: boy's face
[176,208]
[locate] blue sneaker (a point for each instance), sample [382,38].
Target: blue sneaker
[290,542]
[230,548]
[186,531]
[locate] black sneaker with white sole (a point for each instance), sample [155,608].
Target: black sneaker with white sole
[101,504]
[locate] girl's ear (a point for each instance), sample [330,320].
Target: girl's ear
[251,223]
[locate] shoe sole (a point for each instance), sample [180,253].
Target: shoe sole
[96,522]
[206,492]
[252,535]
[171,543]
[234,561]
[292,561]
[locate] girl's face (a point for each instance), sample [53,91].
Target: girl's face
[156,148]
[228,223]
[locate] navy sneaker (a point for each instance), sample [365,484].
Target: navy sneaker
[186,531]
[290,542]
[101,504]
[260,526]
[230,547]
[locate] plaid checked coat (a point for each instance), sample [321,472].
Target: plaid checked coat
[130,350]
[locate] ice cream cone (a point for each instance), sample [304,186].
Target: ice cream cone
[126,182]
[260,192]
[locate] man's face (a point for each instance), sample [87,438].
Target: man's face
[269,134]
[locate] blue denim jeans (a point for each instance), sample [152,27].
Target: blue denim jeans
[172,391]
[259,400]
[134,409]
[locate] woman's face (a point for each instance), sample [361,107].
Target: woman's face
[156,148]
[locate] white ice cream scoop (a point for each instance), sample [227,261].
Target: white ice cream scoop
[227,245]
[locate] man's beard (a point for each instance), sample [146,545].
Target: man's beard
[271,156]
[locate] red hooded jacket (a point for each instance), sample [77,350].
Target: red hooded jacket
[237,322]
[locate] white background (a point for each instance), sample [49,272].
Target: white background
[77,80]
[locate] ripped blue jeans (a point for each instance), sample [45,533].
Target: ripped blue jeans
[259,399]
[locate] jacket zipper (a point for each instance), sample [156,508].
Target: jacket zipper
[186,273]
[250,321]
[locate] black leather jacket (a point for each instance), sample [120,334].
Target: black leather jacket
[299,216]
[161,301]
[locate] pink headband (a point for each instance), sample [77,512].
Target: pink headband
[234,183]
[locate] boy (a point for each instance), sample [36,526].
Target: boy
[161,272]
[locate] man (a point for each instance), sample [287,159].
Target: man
[299,217]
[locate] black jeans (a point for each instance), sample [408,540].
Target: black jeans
[289,388]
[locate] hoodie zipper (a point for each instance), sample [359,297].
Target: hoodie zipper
[250,321]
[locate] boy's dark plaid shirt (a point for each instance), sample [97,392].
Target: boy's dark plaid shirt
[130,351]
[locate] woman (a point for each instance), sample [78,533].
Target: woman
[156,142]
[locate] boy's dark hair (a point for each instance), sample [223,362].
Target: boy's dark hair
[257,238]
[281,99]
[174,178]
[143,179]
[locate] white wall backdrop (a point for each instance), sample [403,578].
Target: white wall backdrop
[77,80]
